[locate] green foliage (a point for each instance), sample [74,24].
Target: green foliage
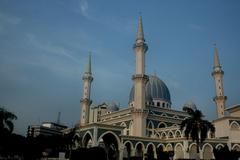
[6,118]
[195,127]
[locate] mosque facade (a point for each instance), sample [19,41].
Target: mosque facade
[149,123]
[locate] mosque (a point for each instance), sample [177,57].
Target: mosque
[149,122]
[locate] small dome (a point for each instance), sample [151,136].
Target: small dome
[155,89]
[112,107]
[191,105]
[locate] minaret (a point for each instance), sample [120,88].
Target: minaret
[218,77]
[139,113]
[86,101]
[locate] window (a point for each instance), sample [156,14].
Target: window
[163,105]
[158,104]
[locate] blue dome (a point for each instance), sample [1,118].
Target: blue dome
[112,107]
[155,89]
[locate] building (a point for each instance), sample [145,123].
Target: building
[45,129]
[149,122]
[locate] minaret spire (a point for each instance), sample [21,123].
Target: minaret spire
[140,34]
[89,65]
[216,58]
[86,100]
[217,74]
[139,112]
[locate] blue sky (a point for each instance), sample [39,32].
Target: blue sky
[44,47]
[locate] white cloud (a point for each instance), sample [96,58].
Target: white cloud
[50,48]
[119,24]
[83,6]
[6,20]
[55,58]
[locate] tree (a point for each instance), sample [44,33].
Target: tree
[195,127]
[6,118]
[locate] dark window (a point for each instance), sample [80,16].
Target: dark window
[158,103]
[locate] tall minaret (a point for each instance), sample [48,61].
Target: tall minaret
[139,113]
[218,77]
[86,101]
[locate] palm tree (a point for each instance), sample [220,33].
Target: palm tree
[6,118]
[195,127]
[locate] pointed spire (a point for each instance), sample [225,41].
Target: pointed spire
[216,58]
[89,65]
[140,34]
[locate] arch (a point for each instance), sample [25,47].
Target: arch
[138,144]
[150,129]
[87,140]
[123,124]
[169,147]
[179,154]
[162,125]
[157,135]
[151,150]
[178,134]
[170,134]
[236,147]
[139,147]
[174,125]
[111,144]
[211,134]
[159,150]
[219,146]
[175,116]
[164,115]
[128,146]
[163,135]
[129,143]
[193,151]
[234,125]
[131,128]
[110,132]
[207,151]
[76,141]
[161,145]
[88,132]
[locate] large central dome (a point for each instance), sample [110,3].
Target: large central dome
[156,92]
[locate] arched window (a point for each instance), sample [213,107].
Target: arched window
[150,129]
[162,125]
[178,134]
[163,105]
[170,134]
[234,125]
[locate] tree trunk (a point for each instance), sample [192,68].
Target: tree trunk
[198,154]
[197,147]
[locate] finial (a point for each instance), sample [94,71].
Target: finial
[89,65]
[140,34]
[216,59]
